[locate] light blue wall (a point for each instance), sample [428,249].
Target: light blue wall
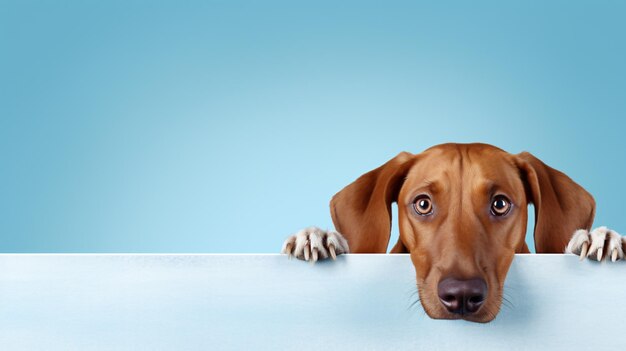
[168,126]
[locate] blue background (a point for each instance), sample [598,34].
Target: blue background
[223,126]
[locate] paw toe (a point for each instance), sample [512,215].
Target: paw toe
[615,246]
[598,238]
[339,243]
[601,243]
[313,244]
[302,241]
[579,243]
[318,250]
[289,245]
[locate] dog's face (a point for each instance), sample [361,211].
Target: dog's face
[462,220]
[462,212]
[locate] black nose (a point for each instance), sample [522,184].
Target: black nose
[462,296]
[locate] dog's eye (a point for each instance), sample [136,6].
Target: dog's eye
[500,205]
[423,205]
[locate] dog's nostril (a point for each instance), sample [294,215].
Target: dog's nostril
[476,299]
[462,296]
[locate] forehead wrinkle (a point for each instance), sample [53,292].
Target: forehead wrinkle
[496,180]
[486,187]
[434,186]
[464,165]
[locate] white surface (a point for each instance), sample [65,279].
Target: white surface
[215,302]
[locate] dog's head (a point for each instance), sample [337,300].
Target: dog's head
[462,216]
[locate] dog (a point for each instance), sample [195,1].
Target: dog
[462,214]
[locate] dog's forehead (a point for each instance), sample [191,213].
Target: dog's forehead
[449,162]
[472,149]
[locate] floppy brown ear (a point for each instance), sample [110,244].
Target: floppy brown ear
[561,205]
[362,210]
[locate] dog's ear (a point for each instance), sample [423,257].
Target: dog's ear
[362,210]
[561,205]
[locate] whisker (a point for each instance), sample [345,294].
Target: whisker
[506,293]
[506,297]
[507,305]
[415,301]
[413,304]
[506,302]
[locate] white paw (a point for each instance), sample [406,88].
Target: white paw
[601,243]
[313,244]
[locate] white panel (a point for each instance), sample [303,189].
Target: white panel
[215,302]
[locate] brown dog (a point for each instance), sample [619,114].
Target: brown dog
[462,212]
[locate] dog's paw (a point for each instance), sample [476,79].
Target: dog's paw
[312,244]
[600,243]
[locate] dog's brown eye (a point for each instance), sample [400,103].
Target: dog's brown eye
[423,205]
[500,205]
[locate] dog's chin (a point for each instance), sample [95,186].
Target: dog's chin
[479,317]
[485,314]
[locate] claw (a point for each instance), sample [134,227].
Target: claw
[599,254]
[314,255]
[288,249]
[614,255]
[331,249]
[307,252]
[583,250]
